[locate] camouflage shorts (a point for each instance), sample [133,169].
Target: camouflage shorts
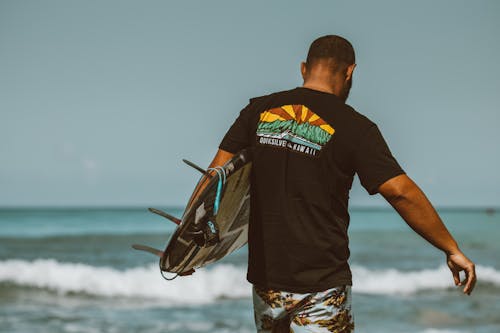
[318,312]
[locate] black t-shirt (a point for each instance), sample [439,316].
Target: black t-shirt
[307,146]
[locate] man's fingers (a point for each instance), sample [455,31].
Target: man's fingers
[456,276]
[458,263]
[471,280]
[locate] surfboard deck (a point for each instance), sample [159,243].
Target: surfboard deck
[203,237]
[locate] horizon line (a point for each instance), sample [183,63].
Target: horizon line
[179,207]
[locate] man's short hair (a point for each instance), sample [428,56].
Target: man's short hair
[336,49]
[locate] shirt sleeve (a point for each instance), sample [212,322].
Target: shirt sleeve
[374,162]
[237,137]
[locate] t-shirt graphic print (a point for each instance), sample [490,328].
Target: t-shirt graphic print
[294,127]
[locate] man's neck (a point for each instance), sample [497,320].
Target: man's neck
[318,87]
[321,86]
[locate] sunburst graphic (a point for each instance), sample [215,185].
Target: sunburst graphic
[299,113]
[297,123]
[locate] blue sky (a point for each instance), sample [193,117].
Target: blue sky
[100,100]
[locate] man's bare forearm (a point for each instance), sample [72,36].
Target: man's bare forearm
[414,207]
[219,159]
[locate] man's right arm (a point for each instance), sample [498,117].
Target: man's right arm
[414,207]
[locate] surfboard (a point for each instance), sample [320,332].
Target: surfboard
[212,226]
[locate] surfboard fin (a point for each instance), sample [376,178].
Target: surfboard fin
[149,249]
[197,167]
[165,215]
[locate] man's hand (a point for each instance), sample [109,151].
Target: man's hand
[414,207]
[459,262]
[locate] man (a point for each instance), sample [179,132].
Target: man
[307,146]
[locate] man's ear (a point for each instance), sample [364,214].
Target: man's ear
[349,71]
[303,69]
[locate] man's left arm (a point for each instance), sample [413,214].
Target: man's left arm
[220,158]
[235,139]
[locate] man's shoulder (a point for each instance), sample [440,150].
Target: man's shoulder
[358,116]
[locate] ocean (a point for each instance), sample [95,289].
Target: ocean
[73,270]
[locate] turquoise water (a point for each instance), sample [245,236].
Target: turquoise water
[72,270]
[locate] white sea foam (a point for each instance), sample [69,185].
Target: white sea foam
[207,284]
[393,281]
[204,286]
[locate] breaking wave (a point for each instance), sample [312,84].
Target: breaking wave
[207,284]
[394,281]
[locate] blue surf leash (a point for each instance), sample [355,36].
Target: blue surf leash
[221,174]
